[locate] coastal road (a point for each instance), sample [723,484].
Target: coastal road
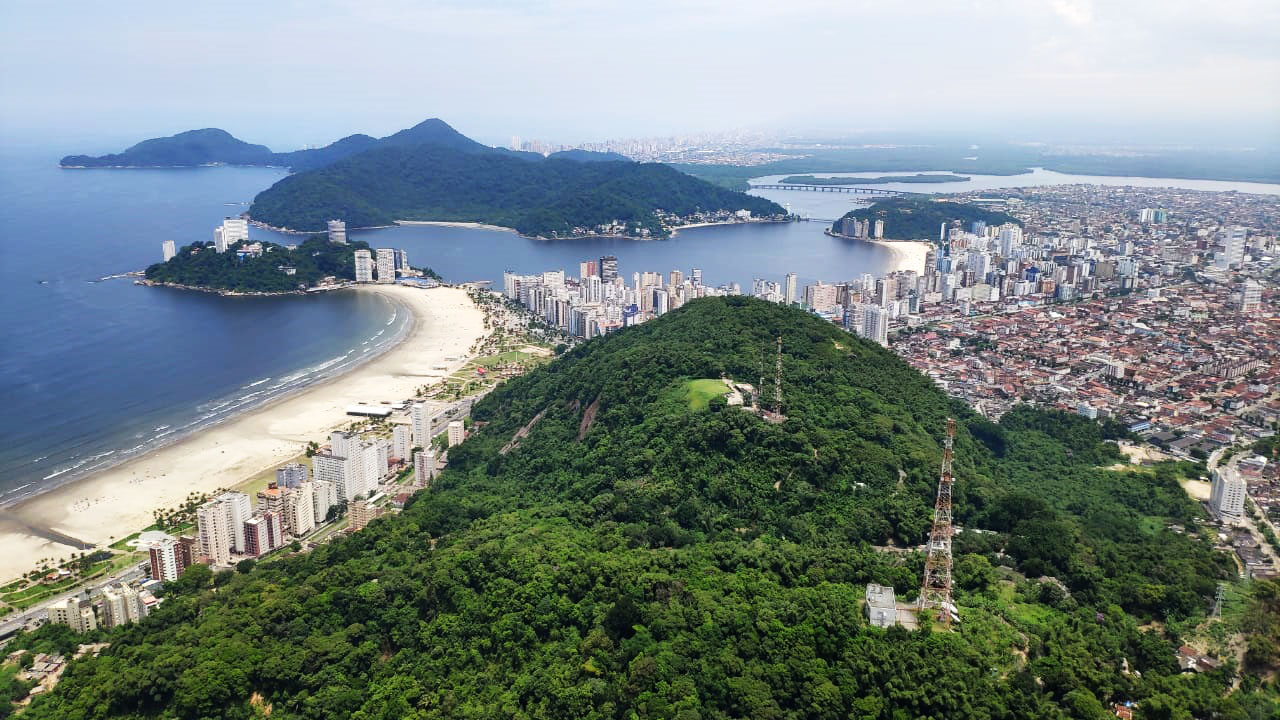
[32,616]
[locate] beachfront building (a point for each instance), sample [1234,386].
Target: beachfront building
[291,475]
[456,432]
[402,442]
[424,467]
[168,249]
[74,612]
[220,526]
[364,266]
[324,497]
[168,559]
[351,465]
[338,232]
[421,425]
[386,265]
[789,289]
[121,605]
[263,533]
[299,509]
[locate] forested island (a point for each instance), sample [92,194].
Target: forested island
[920,218]
[882,180]
[553,197]
[268,268]
[638,555]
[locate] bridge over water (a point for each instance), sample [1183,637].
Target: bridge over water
[836,188]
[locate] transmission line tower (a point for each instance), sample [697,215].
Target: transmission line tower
[936,590]
[1219,599]
[777,381]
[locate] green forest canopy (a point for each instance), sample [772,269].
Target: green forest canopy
[636,558]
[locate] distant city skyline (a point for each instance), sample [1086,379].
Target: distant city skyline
[292,74]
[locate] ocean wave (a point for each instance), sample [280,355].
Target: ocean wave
[78,465]
[255,383]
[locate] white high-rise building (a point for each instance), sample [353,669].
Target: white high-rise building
[402,442]
[386,265]
[338,232]
[234,230]
[1232,254]
[324,498]
[424,467]
[220,524]
[168,249]
[219,243]
[364,266]
[789,289]
[422,429]
[875,324]
[299,509]
[348,473]
[1226,495]
[456,432]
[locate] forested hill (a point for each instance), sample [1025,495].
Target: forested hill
[210,146]
[640,555]
[536,197]
[920,218]
[194,147]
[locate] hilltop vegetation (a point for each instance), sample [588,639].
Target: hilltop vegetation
[536,197]
[920,218]
[635,557]
[199,265]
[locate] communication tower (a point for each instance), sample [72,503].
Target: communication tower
[777,381]
[936,591]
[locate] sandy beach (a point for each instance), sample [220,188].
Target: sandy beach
[443,223]
[907,254]
[120,500]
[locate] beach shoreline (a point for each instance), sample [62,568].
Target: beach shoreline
[117,501]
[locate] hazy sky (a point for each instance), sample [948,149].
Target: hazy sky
[285,73]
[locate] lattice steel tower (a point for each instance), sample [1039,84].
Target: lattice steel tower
[936,591]
[777,381]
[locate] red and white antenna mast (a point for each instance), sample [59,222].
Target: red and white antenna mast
[936,592]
